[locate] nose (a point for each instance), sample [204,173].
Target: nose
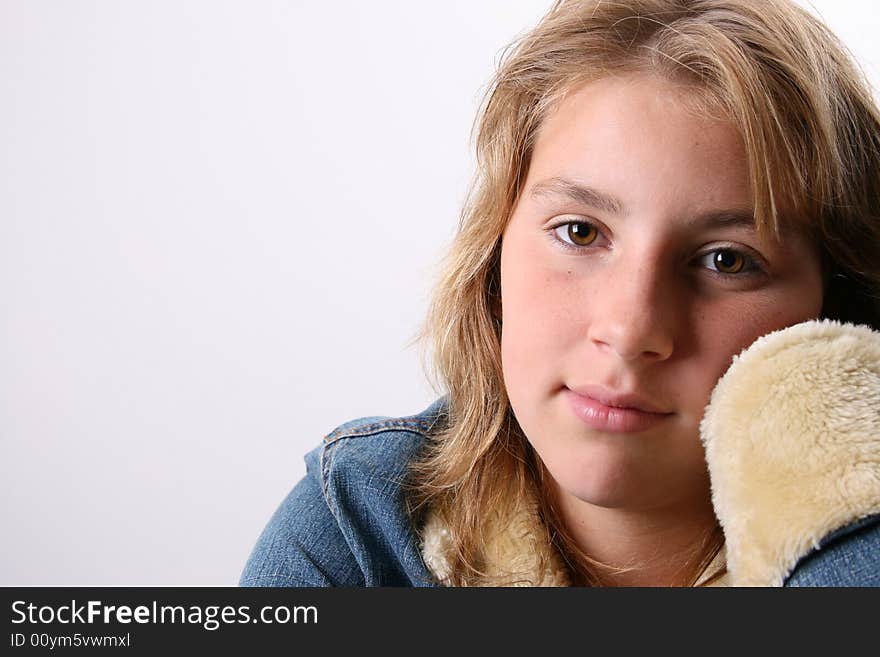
[635,311]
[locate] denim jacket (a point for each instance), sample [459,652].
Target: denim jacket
[805,511]
[345,523]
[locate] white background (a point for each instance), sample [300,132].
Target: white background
[219,226]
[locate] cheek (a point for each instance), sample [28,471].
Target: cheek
[538,322]
[731,329]
[526,332]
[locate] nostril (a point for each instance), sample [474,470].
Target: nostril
[629,344]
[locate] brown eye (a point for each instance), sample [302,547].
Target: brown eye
[728,262]
[582,234]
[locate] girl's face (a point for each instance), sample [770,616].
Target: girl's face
[631,274]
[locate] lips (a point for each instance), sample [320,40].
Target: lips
[614,399]
[614,412]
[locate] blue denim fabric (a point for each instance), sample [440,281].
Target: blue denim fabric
[847,557]
[345,523]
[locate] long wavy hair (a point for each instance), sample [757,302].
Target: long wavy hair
[812,137]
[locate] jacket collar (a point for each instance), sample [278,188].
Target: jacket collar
[518,555]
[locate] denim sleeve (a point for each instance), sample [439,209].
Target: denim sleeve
[301,545]
[848,557]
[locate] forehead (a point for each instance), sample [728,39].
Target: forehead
[642,138]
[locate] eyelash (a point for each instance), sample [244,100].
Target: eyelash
[752,265]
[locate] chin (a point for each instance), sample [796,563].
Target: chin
[606,494]
[598,478]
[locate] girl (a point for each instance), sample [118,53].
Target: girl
[656,333]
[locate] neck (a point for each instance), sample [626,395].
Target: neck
[641,547]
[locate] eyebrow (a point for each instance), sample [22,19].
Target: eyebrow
[584,195]
[579,193]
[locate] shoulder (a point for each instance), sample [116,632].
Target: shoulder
[368,445]
[364,463]
[346,523]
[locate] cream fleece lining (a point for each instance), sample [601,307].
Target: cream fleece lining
[792,438]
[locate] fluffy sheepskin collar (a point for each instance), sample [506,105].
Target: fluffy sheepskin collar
[792,441]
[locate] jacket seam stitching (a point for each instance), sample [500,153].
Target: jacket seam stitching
[418,426]
[326,457]
[329,450]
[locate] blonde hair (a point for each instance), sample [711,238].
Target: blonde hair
[812,137]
